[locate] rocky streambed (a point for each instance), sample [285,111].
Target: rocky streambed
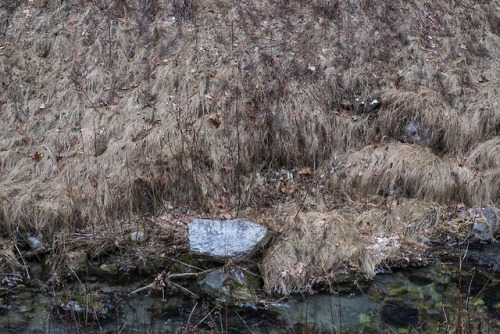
[465,281]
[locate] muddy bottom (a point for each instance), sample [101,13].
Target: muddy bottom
[426,299]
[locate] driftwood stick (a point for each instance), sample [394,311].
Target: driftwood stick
[164,279]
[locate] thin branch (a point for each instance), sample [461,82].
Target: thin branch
[24,262]
[164,279]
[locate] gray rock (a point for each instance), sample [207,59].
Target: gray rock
[221,240]
[487,227]
[214,280]
[415,133]
[482,231]
[36,242]
[492,217]
[217,278]
[137,236]
[233,287]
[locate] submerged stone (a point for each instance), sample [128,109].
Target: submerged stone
[14,323]
[234,287]
[110,269]
[221,240]
[399,315]
[419,279]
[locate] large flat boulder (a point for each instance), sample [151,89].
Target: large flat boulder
[221,240]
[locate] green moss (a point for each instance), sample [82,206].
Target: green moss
[108,269]
[185,263]
[253,282]
[397,292]
[427,306]
[364,319]
[478,302]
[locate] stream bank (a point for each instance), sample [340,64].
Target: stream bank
[423,298]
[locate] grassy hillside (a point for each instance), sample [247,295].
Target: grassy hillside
[112,108]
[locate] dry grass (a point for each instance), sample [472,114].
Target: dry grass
[485,156]
[397,170]
[106,112]
[312,246]
[320,248]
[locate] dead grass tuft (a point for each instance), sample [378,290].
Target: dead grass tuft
[313,246]
[485,156]
[319,248]
[397,170]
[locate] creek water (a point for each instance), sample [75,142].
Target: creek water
[424,298]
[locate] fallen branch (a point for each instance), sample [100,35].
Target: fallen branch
[163,279]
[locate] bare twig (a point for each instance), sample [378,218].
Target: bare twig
[24,262]
[164,279]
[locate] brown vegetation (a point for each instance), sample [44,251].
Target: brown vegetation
[324,248]
[113,108]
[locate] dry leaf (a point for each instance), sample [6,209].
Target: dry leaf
[37,156]
[299,267]
[305,171]
[140,135]
[215,122]
[21,129]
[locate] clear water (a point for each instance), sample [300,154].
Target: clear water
[425,298]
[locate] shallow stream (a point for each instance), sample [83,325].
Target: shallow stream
[424,298]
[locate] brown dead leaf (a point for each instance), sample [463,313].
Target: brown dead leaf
[21,128]
[299,267]
[37,156]
[305,171]
[367,230]
[215,122]
[141,135]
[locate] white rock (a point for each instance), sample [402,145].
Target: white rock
[222,240]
